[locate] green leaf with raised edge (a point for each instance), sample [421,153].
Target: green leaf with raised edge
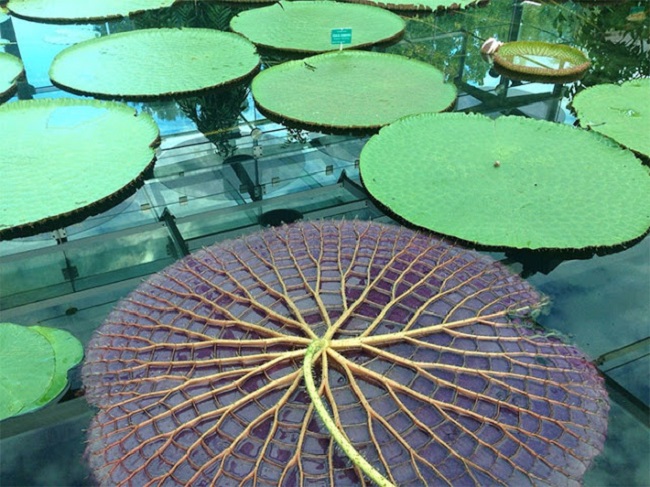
[10,69]
[541,59]
[511,182]
[140,64]
[81,10]
[620,112]
[34,365]
[62,159]
[68,352]
[306,26]
[350,90]
[426,5]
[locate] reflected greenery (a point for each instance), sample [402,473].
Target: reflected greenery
[189,14]
[216,116]
[614,35]
[619,48]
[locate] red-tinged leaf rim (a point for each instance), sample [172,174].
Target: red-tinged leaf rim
[69,11]
[103,152]
[137,64]
[542,59]
[424,353]
[306,26]
[309,93]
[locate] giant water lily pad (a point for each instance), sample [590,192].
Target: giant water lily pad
[64,159]
[620,112]
[350,90]
[81,10]
[542,59]
[306,26]
[10,69]
[215,371]
[34,366]
[511,182]
[154,63]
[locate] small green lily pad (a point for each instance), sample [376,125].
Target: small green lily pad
[305,26]
[424,5]
[509,182]
[543,59]
[620,112]
[154,63]
[81,10]
[10,69]
[63,159]
[350,90]
[34,366]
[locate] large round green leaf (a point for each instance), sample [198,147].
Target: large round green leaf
[62,159]
[34,366]
[154,62]
[513,181]
[306,26]
[620,112]
[351,90]
[426,5]
[81,10]
[541,59]
[10,68]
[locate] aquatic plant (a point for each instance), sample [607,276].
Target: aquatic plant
[248,362]
[34,366]
[375,89]
[81,10]
[516,182]
[305,26]
[621,112]
[137,64]
[541,59]
[63,160]
[10,69]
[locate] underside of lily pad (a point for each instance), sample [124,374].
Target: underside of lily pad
[63,160]
[620,112]
[306,26]
[154,63]
[428,362]
[10,69]
[542,59]
[350,90]
[509,182]
[81,10]
[424,5]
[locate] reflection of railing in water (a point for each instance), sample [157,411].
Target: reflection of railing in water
[107,258]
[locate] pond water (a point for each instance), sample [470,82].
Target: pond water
[223,167]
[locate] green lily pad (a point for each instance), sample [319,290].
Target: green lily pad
[306,26]
[425,5]
[350,90]
[542,59]
[63,159]
[154,63]
[10,69]
[509,182]
[34,366]
[620,112]
[81,10]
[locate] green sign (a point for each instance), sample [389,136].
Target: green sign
[341,36]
